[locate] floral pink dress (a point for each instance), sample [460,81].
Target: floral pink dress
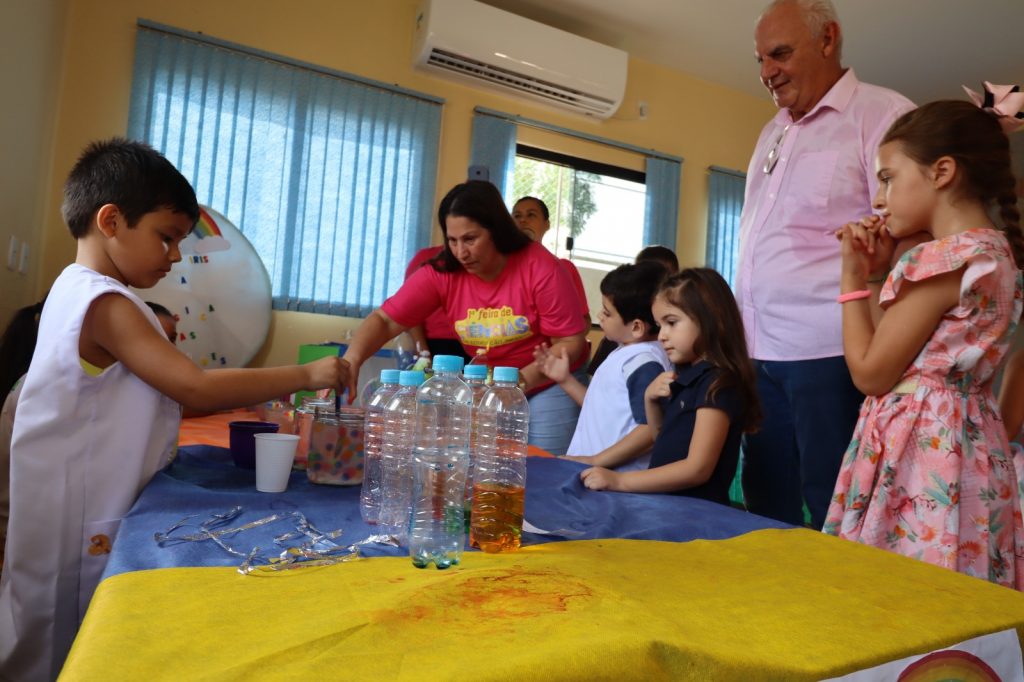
[929,473]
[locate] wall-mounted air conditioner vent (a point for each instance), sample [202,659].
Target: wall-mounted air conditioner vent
[479,44]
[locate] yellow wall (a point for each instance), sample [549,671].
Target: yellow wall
[704,123]
[32,35]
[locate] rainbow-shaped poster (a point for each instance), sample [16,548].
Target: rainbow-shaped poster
[210,238]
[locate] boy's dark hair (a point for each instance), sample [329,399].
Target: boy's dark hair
[481,202]
[660,254]
[706,299]
[159,309]
[632,287]
[130,175]
[17,345]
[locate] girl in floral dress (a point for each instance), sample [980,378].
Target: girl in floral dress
[929,473]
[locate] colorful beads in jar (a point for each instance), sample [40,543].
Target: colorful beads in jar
[335,454]
[304,417]
[282,413]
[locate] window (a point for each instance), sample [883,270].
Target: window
[596,210]
[725,204]
[331,177]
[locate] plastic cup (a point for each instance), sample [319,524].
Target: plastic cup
[240,435]
[275,453]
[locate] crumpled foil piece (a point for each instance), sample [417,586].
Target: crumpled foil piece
[318,549]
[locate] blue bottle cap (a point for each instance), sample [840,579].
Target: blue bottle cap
[411,378]
[447,363]
[509,374]
[389,376]
[475,371]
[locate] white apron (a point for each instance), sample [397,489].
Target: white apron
[83,448]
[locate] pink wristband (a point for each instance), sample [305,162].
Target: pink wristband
[853,296]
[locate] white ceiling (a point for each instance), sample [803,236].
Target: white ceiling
[925,49]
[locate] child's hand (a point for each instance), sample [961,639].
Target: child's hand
[582,459]
[332,372]
[867,248]
[660,388]
[599,478]
[554,364]
[540,353]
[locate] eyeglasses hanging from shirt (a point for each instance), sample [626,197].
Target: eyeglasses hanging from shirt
[774,152]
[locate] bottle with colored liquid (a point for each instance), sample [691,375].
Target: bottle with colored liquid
[499,476]
[440,460]
[399,418]
[373,437]
[475,377]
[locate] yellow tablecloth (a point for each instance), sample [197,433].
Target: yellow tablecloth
[768,605]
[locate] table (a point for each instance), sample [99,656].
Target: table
[650,586]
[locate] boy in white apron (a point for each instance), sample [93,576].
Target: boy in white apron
[99,411]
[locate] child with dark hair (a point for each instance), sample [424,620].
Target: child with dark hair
[656,254]
[612,429]
[698,410]
[168,322]
[659,254]
[99,411]
[929,473]
[17,345]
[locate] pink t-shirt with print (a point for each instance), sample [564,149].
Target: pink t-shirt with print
[531,301]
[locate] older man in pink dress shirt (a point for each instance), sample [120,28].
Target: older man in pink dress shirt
[811,172]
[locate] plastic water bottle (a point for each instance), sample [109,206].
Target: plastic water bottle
[373,437]
[475,377]
[399,418]
[440,460]
[499,478]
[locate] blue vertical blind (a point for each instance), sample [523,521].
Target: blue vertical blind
[661,216]
[725,203]
[331,178]
[494,147]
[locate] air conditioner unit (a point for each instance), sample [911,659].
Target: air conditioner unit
[485,46]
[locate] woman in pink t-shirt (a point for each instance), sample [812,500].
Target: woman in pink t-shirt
[501,293]
[435,335]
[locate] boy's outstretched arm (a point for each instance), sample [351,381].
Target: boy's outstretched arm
[116,330]
[634,444]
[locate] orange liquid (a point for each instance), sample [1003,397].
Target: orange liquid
[497,517]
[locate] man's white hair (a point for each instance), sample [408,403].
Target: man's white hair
[816,14]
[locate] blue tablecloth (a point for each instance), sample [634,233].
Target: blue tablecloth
[203,481]
[757,604]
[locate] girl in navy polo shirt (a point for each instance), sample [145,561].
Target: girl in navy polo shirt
[700,410]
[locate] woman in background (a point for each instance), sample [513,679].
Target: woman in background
[502,294]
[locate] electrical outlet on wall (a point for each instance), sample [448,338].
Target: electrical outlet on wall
[12,253]
[23,258]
